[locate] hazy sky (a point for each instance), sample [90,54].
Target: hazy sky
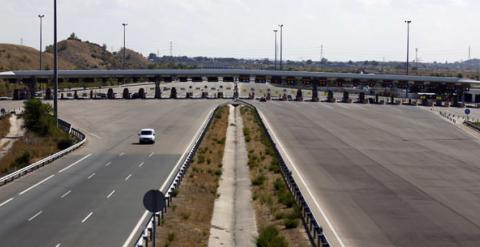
[348,29]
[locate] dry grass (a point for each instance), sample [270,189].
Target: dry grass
[188,221]
[18,57]
[273,203]
[4,126]
[36,146]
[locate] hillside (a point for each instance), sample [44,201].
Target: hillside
[87,55]
[73,54]
[18,57]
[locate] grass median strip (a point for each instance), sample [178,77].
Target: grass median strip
[188,221]
[278,215]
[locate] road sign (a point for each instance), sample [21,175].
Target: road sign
[154,201]
[467,111]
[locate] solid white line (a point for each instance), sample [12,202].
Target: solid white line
[128,177]
[86,218]
[76,162]
[145,214]
[98,137]
[109,163]
[141,164]
[35,185]
[111,193]
[58,245]
[35,216]
[93,174]
[150,155]
[66,194]
[283,150]
[121,154]
[5,202]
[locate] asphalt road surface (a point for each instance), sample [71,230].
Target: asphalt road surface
[382,175]
[93,196]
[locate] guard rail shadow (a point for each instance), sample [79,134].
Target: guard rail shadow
[312,227]
[65,126]
[147,233]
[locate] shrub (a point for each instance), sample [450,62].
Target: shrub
[290,223]
[38,119]
[286,199]
[65,143]
[259,180]
[270,237]
[23,160]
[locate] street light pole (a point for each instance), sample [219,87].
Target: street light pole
[276,48]
[281,46]
[41,20]
[408,44]
[124,46]
[55,63]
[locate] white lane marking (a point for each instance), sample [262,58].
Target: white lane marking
[76,162]
[93,174]
[35,185]
[150,155]
[5,202]
[121,154]
[58,245]
[141,164]
[111,193]
[109,163]
[128,177]
[35,216]
[86,218]
[66,194]
[283,150]
[98,137]
[145,214]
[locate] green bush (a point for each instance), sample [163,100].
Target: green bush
[65,143]
[23,160]
[286,199]
[270,237]
[279,185]
[290,223]
[259,180]
[38,119]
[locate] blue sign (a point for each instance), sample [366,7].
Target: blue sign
[467,111]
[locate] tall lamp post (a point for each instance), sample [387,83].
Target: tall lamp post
[41,22]
[55,63]
[276,48]
[281,46]
[124,47]
[408,44]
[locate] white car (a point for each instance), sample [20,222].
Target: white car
[146,136]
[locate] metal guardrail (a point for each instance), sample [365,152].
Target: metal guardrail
[472,125]
[67,128]
[312,227]
[147,233]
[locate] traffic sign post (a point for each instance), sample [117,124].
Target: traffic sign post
[467,112]
[154,201]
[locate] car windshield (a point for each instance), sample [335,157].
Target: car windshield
[146,132]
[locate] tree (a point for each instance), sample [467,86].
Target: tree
[73,37]
[38,117]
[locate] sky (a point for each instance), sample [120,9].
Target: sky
[357,30]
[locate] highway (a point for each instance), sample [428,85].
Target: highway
[93,196]
[381,175]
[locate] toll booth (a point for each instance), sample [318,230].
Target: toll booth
[330,97]
[346,98]
[361,98]
[299,96]
[173,93]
